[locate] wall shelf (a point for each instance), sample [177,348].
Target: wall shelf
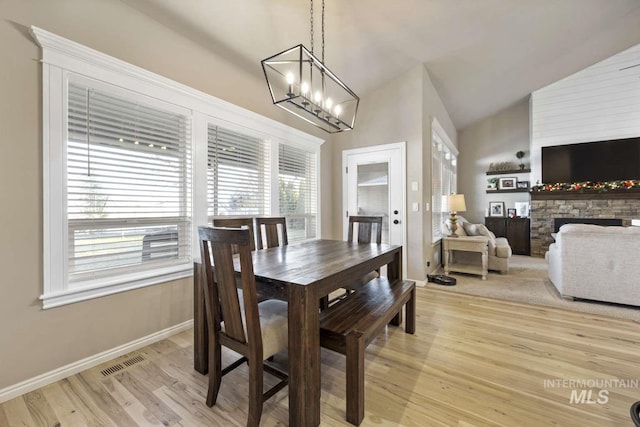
[508,172]
[515,190]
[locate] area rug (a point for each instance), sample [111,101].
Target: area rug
[527,282]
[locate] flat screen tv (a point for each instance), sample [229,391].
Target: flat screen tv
[613,160]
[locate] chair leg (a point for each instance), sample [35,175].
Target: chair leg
[355,378]
[255,392]
[324,302]
[397,319]
[410,308]
[215,371]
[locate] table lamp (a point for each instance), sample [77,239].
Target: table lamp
[455,204]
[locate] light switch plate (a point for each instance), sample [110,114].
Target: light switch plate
[414,185]
[415,206]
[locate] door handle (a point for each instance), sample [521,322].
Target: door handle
[395,221]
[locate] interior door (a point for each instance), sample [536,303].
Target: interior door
[374,180]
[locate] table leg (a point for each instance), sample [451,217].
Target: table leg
[394,273]
[304,357]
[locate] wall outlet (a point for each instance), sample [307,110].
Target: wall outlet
[428,263]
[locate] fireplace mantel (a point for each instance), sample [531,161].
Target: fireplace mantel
[586,195]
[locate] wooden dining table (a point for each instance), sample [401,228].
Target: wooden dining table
[302,274]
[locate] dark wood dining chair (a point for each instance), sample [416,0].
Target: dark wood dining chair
[254,330]
[365,235]
[272,228]
[237,223]
[365,230]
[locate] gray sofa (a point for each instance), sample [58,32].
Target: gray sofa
[597,263]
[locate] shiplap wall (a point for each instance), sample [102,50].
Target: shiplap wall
[601,102]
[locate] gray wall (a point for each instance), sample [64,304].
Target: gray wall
[401,110]
[495,139]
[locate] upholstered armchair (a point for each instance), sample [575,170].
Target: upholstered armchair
[499,248]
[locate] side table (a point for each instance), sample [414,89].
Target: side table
[470,244]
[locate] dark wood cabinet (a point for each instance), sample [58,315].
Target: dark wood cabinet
[516,230]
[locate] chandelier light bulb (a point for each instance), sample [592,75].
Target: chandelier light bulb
[318,97]
[304,88]
[337,110]
[328,104]
[290,78]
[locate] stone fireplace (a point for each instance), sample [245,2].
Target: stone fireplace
[547,206]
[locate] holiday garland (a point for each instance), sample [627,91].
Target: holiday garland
[588,185]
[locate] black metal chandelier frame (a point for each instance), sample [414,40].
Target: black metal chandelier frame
[302,84]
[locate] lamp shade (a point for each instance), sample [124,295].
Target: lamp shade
[455,203]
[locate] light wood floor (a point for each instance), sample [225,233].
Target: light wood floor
[472,362]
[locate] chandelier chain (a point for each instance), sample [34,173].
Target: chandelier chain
[311,14]
[323,31]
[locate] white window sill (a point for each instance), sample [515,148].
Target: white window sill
[71,296]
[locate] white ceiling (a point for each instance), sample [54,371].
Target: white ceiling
[482,55]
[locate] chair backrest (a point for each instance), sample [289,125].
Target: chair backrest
[237,223]
[220,291]
[270,233]
[365,228]
[160,245]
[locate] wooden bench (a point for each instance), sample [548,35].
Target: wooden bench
[348,326]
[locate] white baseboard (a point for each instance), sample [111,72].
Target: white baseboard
[47,378]
[420,283]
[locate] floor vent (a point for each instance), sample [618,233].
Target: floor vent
[133,361]
[118,367]
[112,370]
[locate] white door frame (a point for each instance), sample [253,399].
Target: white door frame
[403,174]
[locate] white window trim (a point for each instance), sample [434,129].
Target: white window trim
[441,134]
[59,56]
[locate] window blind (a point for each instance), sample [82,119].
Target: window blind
[443,181]
[128,185]
[297,186]
[238,180]
[437,216]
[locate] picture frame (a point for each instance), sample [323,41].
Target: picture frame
[507,183]
[522,184]
[522,209]
[496,209]
[511,213]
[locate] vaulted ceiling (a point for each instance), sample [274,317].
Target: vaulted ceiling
[482,55]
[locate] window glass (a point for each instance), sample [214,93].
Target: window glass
[128,185]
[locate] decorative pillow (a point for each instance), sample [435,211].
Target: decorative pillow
[471,229]
[460,231]
[479,230]
[484,231]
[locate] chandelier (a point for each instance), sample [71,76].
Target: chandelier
[300,83]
